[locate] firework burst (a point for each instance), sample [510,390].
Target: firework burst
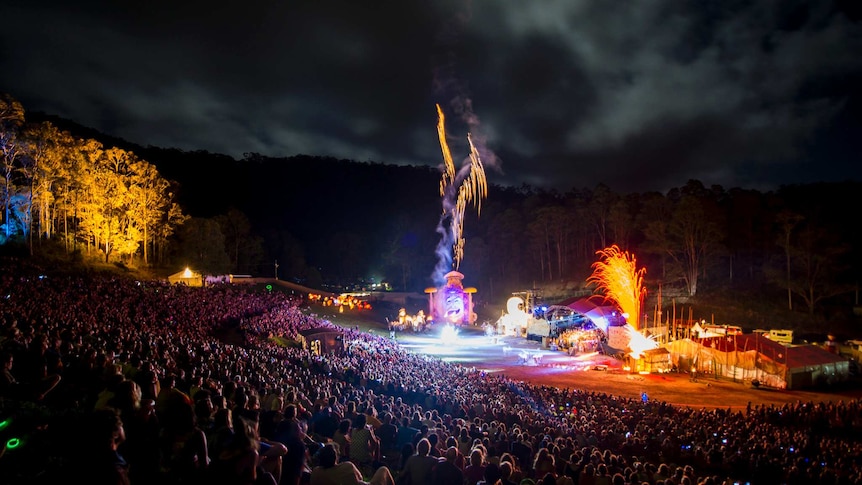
[618,277]
[472,187]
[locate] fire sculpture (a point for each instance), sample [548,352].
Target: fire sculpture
[452,304]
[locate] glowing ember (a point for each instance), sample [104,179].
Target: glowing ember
[473,188]
[617,275]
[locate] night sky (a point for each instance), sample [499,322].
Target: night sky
[641,95]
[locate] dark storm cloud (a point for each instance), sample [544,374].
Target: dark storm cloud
[563,94]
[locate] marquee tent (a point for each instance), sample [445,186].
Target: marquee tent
[752,357]
[603,316]
[186,277]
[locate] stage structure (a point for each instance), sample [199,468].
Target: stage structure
[451,303]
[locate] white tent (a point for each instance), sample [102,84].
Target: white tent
[186,277]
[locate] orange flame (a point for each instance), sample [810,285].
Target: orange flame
[638,343]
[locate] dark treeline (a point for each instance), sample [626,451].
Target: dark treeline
[326,221]
[344,221]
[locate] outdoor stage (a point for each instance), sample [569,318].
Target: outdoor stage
[503,356]
[526,360]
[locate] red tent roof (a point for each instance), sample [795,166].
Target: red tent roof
[591,308]
[796,356]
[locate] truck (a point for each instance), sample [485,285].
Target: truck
[851,349]
[783,336]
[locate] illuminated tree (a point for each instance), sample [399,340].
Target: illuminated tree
[105,198]
[149,199]
[112,176]
[42,166]
[79,195]
[617,276]
[11,120]
[169,222]
[55,171]
[62,191]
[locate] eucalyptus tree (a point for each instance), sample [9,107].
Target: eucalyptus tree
[507,237]
[150,197]
[621,220]
[693,238]
[43,166]
[549,234]
[11,121]
[202,246]
[816,263]
[598,211]
[243,246]
[653,220]
[788,221]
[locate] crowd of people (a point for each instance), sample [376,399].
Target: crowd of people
[110,380]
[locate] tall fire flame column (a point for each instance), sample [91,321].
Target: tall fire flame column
[452,303]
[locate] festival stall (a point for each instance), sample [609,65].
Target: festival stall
[320,340]
[654,360]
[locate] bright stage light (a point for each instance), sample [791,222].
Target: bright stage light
[449,334]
